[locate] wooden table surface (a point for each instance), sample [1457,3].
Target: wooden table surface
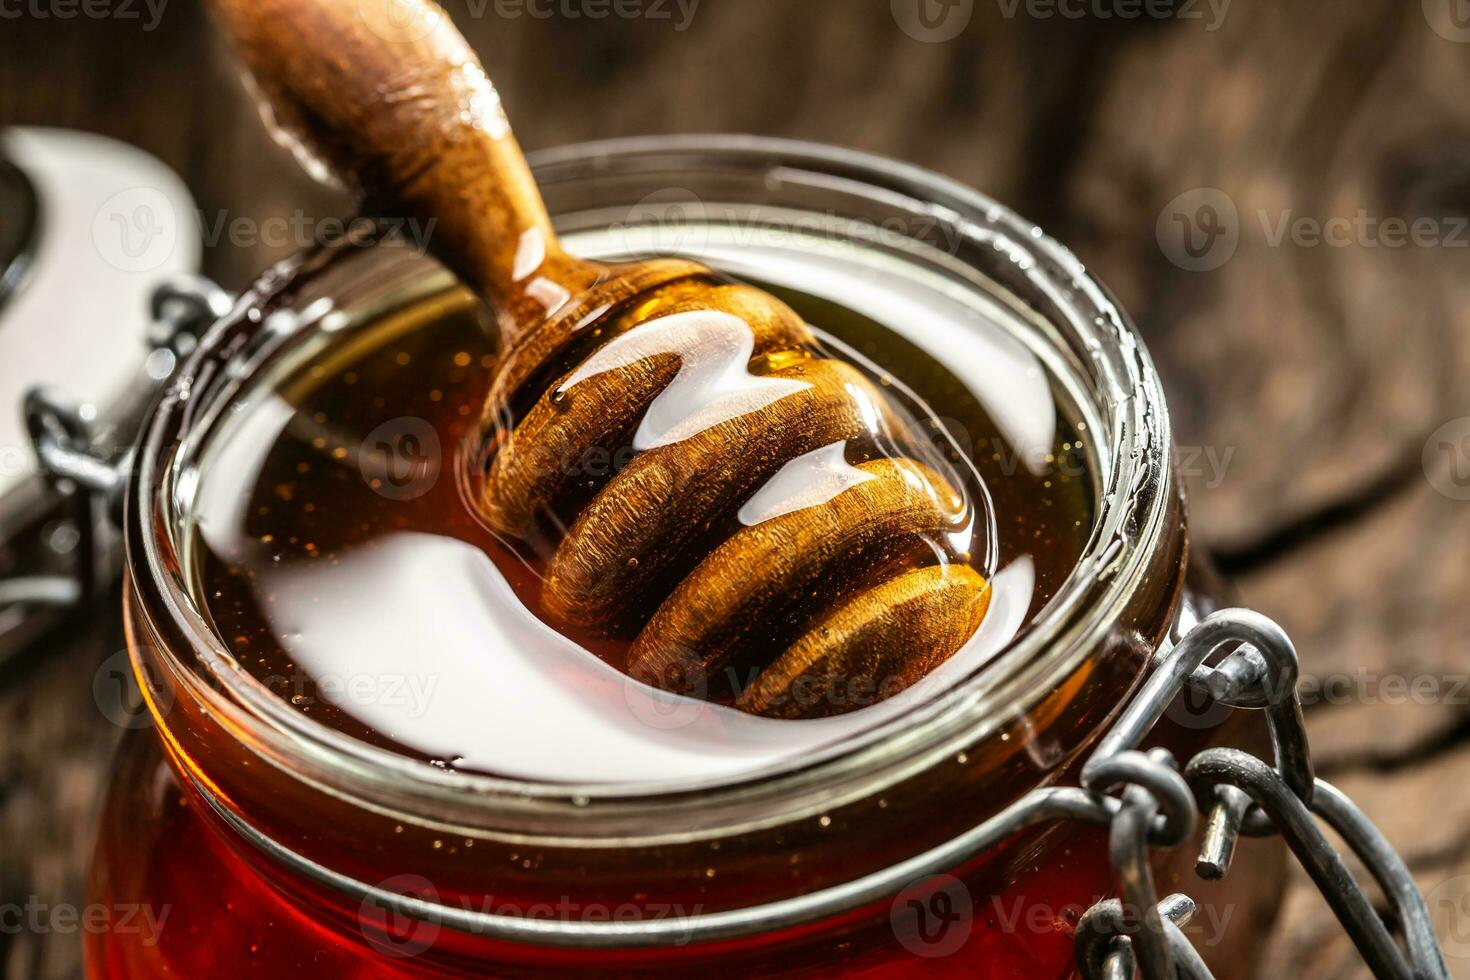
[1318,374]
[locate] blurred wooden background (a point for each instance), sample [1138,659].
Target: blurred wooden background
[1305,379]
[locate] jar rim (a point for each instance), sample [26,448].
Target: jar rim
[1130,521]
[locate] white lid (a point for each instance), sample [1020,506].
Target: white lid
[113,223]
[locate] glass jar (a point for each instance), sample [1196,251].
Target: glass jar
[258,841]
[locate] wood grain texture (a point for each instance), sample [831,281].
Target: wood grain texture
[847,659]
[538,462]
[391,101]
[1319,370]
[754,577]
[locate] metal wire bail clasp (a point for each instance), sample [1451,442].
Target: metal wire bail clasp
[86,473]
[1242,795]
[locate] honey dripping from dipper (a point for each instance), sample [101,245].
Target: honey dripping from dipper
[753,500]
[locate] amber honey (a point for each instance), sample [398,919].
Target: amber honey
[336,533]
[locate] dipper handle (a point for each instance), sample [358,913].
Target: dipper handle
[388,97]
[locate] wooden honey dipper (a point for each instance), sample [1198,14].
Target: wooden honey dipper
[720,381]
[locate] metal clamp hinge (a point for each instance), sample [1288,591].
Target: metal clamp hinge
[1240,794]
[90,476]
